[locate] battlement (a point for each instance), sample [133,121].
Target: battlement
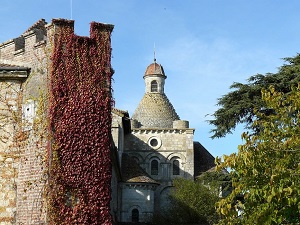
[22,50]
[38,30]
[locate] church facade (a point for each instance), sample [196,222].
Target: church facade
[158,148]
[150,148]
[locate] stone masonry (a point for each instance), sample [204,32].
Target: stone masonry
[9,152]
[24,77]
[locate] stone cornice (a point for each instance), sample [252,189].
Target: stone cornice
[13,74]
[162,130]
[144,186]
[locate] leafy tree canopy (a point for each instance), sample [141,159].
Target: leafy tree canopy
[266,169]
[238,106]
[190,203]
[216,181]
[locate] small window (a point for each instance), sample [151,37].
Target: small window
[154,86]
[176,169]
[153,142]
[28,115]
[154,167]
[135,215]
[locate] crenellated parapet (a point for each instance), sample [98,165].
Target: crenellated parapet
[18,49]
[36,42]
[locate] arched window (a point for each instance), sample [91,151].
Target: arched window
[135,215]
[154,167]
[176,168]
[154,86]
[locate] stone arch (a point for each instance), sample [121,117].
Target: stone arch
[131,211]
[151,157]
[137,156]
[157,155]
[177,159]
[176,155]
[163,202]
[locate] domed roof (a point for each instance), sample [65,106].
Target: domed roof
[155,69]
[155,111]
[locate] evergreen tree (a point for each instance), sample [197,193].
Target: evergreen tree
[266,169]
[237,106]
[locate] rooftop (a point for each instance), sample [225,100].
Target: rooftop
[155,69]
[133,173]
[155,111]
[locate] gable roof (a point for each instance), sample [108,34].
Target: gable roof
[203,160]
[40,25]
[133,173]
[120,112]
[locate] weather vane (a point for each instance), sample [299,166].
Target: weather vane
[154,53]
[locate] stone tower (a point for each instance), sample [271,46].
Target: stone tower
[155,109]
[26,151]
[159,142]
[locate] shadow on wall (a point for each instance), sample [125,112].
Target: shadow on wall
[161,166]
[147,160]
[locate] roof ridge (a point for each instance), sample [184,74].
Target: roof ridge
[40,24]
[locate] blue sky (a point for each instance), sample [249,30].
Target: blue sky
[203,45]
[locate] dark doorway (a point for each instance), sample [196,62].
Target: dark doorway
[135,215]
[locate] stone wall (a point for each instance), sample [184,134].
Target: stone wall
[164,145]
[25,49]
[23,156]
[29,180]
[32,178]
[137,196]
[9,151]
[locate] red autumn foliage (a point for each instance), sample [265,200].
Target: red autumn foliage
[80,126]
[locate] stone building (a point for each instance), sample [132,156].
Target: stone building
[151,148]
[158,148]
[25,64]
[21,163]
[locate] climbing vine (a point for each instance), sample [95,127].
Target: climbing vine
[80,126]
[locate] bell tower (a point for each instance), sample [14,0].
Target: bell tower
[154,78]
[154,110]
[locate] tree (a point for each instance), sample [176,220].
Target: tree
[190,203]
[238,106]
[266,169]
[216,181]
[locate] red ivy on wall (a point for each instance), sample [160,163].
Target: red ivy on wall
[80,124]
